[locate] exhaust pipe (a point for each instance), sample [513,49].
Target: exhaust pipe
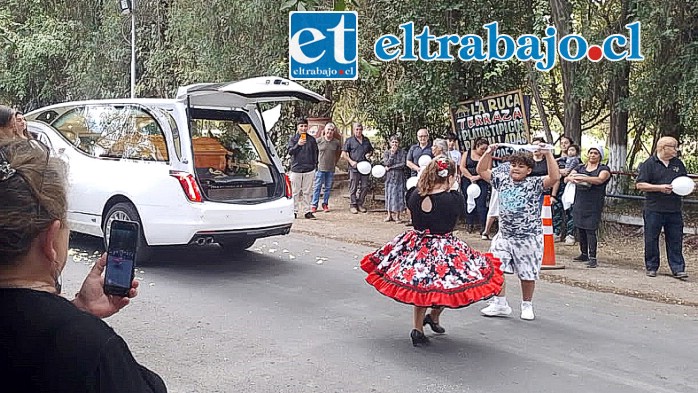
[204,240]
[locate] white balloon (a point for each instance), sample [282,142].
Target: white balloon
[378,171]
[473,191]
[364,167]
[424,160]
[683,185]
[471,205]
[411,182]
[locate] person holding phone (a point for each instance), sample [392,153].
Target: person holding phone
[48,343]
[304,160]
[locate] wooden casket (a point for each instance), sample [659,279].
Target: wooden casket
[209,153]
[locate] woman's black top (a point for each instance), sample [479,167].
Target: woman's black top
[447,208]
[540,168]
[470,164]
[49,345]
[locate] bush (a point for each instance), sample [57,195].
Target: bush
[691,163]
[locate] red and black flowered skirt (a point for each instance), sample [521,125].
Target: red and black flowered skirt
[430,270]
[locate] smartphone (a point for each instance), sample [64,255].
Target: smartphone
[121,257]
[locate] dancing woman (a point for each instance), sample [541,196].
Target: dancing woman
[429,267]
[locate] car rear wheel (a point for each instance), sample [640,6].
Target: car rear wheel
[127,212]
[237,245]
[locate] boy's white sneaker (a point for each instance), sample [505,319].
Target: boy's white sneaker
[527,311]
[496,309]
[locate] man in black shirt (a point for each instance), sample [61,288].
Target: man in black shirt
[357,148]
[663,207]
[302,148]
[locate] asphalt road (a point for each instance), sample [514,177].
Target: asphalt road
[278,319]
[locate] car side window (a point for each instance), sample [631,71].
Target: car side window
[175,131]
[110,131]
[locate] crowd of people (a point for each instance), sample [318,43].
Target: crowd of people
[574,222]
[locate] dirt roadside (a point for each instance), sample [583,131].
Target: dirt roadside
[620,271]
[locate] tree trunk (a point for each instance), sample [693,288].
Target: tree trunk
[532,76]
[637,145]
[618,138]
[670,123]
[562,18]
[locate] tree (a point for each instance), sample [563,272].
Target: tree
[562,19]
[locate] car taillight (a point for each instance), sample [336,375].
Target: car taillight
[189,185]
[289,192]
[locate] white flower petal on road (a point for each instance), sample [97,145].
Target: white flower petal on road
[152,284]
[272,250]
[141,272]
[356,256]
[285,251]
[290,256]
[356,267]
[306,250]
[139,278]
[275,243]
[320,261]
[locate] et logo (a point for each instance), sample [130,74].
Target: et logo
[323,45]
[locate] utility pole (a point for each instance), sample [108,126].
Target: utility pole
[133,50]
[128,7]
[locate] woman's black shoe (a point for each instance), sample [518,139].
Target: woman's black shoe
[581,258]
[418,338]
[435,327]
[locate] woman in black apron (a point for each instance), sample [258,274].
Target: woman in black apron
[590,180]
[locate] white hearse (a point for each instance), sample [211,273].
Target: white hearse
[193,170]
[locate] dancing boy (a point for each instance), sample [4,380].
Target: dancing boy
[519,242]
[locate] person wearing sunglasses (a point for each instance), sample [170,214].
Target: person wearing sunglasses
[48,343]
[663,207]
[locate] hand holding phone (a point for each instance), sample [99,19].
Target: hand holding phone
[121,257]
[92,298]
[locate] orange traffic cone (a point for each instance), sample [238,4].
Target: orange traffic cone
[548,240]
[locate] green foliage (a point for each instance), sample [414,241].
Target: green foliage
[51,51]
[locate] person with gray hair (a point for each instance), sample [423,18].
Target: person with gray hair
[329,148]
[357,148]
[394,160]
[421,148]
[439,147]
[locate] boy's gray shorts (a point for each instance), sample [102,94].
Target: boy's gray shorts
[523,256]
